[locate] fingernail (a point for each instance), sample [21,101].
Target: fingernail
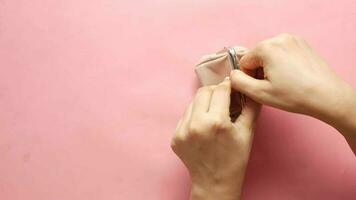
[227,78]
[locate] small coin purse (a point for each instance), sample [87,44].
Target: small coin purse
[213,68]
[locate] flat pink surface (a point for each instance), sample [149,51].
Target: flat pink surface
[90,93]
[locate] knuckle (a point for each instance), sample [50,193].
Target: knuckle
[263,48]
[286,38]
[178,140]
[219,124]
[173,144]
[195,129]
[264,45]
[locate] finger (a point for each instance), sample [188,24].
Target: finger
[187,114]
[220,99]
[249,113]
[182,126]
[252,60]
[253,88]
[201,100]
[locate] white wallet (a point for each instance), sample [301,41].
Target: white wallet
[213,68]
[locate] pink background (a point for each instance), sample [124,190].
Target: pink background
[91,90]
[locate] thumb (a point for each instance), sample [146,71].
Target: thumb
[249,113]
[254,88]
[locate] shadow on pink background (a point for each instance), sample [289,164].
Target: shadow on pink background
[90,93]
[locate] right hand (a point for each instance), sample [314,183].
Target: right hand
[296,79]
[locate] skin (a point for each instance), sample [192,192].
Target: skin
[297,79]
[214,149]
[294,79]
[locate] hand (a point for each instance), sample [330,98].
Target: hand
[296,79]
[214,149]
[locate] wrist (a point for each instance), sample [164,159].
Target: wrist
[217,188]
[340,109]
[215,191]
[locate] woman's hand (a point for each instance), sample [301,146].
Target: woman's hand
[296,79]
[214,149]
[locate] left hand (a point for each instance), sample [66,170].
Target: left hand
[214,149]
